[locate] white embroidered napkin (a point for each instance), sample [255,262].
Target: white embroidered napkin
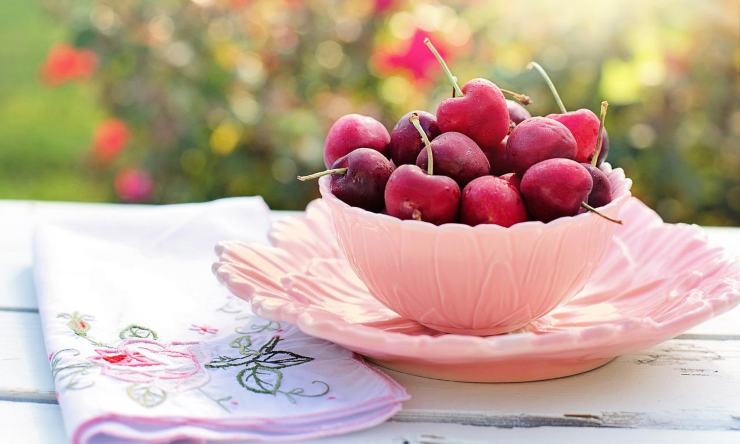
[144,344]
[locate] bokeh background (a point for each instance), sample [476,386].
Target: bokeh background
[176,101]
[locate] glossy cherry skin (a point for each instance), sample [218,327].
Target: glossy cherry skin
[354,131]
[363,184]
[555,188]
[601,192]
[492,200]
[413,194]
[514,179]
[455,156]
[538,139]
[405,141]
[481,113]
[517,113]
[584,125]
[498,158]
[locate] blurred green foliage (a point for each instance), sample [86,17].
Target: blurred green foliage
[233,97]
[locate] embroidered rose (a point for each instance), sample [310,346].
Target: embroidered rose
[146,361]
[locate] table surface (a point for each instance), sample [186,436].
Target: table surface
[684,390]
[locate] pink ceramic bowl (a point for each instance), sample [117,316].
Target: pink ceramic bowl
[481,280]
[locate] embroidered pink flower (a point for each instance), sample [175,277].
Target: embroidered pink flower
[134,185]
[148,361]
[203,329]
[111,136]
[66,63]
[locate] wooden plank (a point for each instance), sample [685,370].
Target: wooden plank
[38,423]
[681,384]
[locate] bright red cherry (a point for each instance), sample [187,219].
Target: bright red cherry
[354,131]
[478,110]
[492,200]
[584,125]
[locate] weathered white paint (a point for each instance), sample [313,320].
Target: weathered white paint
[684,390]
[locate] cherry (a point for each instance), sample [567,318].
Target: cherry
[492,200]
[555,188]
[583,123]
[457,156]
[354,131]
[537,139]
[405,142]
[359,178]
[517,113]
[478,110]
[499,158]
[413,194]
[601,192]
[558,187]
[514,179]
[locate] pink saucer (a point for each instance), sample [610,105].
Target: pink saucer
[656,281]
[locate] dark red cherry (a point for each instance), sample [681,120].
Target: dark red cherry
[555,188]
[354,131]
[601,192]
[499,159]
[359,178]
[457,156]
[405,142]
[538,139]
[492,200]
[517,112]
[411,193]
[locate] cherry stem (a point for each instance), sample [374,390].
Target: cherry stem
[414,119]
[600,137]
[322,173]
[450,78]
[595,211]
[550,85]
[519,97]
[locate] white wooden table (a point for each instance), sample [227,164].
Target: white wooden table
[684,390]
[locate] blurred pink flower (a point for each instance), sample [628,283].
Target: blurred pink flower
[382,6]
[414,58]
[111,136]
[65,63]
[134,185]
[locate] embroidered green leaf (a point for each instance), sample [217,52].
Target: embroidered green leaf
[259,328]
[225,361]
[260,379]
[137,331]
[282,359]
[70,373]
[147,396]
[243,343]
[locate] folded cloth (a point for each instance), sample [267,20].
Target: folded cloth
[144,344]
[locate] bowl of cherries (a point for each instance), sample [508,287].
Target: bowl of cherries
[477,219]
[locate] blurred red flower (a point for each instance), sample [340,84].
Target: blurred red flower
[414,58]
[65,63]
[134,185]
[111,136]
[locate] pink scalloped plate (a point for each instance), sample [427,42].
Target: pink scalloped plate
[655,281]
